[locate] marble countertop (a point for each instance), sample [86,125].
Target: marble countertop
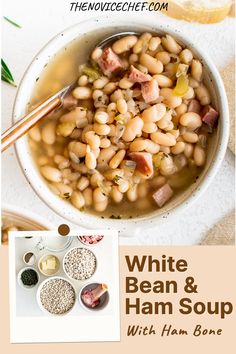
[18,48]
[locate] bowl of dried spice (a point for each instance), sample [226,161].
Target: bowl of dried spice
[28,277]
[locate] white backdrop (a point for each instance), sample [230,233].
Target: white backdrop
[40,21]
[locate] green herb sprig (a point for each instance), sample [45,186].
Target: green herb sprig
[11,22]
[6,74]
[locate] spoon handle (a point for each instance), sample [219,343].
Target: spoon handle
[11,135]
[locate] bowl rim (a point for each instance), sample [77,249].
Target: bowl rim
[68,211]
[42,308]
[90,244]
[82,303]
[27,215]
[63,264]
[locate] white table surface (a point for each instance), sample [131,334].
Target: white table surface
[40,21]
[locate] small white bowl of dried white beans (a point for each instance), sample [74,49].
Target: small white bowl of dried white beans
[140,137]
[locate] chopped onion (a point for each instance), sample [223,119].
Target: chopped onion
[202,140]
[129,168]
[119,131]
[181,85]
[105,186]
[182,70]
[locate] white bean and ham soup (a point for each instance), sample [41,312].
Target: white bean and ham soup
[133,133]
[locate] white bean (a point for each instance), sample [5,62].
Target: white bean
[188,150]
[101,129]
[133,58]
[92,139]
[191,120]
[90,160]
[125,83]
[154,113]
[199,156]
[190,137]
[101,117]
[124,44]
[52,174]
[64,190]
[158,181]
[117,159]
[142,190]
[99,196]
[35,133]
[88,196]
[116,195]
[152,147]
[48,133]
[110,88]
[153,65]
[78,148]
[95,179]
[83,80]
[133,128]
[100,207]
[186,56]
[170,44]
[203,95]
[83,183]
[105,143]
[149,128]
[189,94]
[121,106]
[154,43]
[170,99]
[196,70]
[163,139]
[106,154]
[77,199]
[82,92]
[97,52]
[65,129]
[178,148]
[163,81]
[132,193]
[101,82]
[164,57]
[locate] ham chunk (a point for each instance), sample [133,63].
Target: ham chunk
[70,102]
[210,116]
[137,75]
[163,194]
[150,90]
[194,106]
[109,61]
[143,163]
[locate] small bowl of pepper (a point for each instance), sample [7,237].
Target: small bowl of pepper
[28,277]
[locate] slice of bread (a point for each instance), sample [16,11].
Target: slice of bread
[203,11]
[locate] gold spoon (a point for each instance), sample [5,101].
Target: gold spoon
[20,128]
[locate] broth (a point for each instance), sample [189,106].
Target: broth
[64,68]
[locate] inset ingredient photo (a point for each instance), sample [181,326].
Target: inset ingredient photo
[68,282]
